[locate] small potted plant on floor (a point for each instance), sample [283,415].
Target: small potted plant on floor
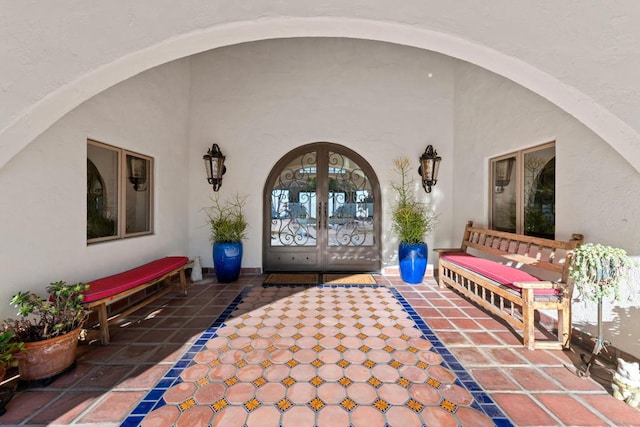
[228,228]
[49,328]
[412,221]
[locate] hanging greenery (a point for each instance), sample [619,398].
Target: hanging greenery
[599,271]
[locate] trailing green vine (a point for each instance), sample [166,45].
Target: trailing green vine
[598,271]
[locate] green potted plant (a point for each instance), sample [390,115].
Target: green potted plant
[412,221]
[598,271]
[49,328]
[228,227]
[9,348]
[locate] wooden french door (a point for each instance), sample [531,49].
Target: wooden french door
[322,212]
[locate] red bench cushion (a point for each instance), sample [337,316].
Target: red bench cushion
[500,273]
[112,285]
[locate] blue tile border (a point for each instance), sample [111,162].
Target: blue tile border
[153,399]
[481,401]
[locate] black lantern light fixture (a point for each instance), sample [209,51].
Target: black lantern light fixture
[503,171]
[137,172]
[214,164]
[428,169]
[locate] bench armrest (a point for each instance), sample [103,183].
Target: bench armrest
[538,285]
[445,250]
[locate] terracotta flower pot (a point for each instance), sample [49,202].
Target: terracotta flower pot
[44,359]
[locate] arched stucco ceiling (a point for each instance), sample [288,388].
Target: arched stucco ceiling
[43,113]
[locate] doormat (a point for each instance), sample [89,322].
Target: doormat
[348,279]
[291,279]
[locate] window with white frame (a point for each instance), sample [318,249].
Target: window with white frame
[119,193]
[523,191]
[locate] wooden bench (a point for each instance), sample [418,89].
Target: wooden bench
[513,275]
[107,290]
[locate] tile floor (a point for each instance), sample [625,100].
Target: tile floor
[243,354]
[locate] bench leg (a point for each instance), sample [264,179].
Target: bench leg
[183,281]
[441,275]
[564,325]
[528,318]
[104,324]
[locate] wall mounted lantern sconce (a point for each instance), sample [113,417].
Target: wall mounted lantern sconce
[428,169]
[214,164]
[503,171]
[137,172]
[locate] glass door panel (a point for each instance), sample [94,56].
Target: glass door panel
[293,203]
[350,205]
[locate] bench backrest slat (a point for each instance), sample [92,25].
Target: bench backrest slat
[546,254]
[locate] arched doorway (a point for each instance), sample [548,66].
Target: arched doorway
[321,212]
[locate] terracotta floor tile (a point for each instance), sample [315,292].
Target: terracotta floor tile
[105,376]
[65,409]
[494,379]
[367,416]
[505,356]
[471,356]
[569,410]
[482,338]
[196,416]
[402,416]
[25,404]
[453,337]
[539,357]
[523,410]
[299,416]
[617,411]
[572,381]
[532,379]
[231,416]
[436,416]
[112,408]
[315,356]
[471,417]
[333,415]
[71,377]
[165,416]
[263,416]
[508,338]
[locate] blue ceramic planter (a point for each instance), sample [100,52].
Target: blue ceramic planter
[227,260]
[413,262]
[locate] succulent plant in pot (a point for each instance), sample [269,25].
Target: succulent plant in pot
[598,271]
[47,323]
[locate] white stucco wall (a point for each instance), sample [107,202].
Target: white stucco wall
[584,59]
[596,191]
[43,189]
[260,100]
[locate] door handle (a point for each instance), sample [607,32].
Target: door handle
[326,220]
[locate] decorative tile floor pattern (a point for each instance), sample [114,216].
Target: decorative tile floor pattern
[333,355]
[532,388]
